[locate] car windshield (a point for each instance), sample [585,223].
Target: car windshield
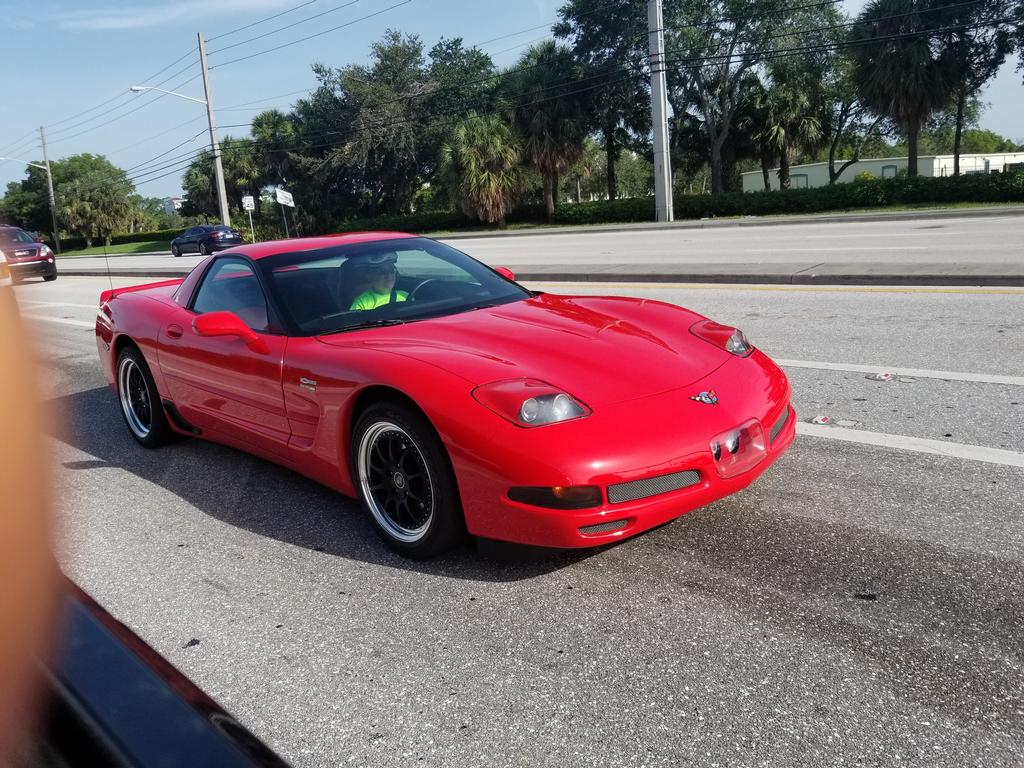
[15,236]
[384,282]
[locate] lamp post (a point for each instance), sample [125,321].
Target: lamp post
[53,200]
[218,166]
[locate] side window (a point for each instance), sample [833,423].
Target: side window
[798,181]
[888,171]
[231,286]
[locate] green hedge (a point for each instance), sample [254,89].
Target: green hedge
[868,193]
[77,243]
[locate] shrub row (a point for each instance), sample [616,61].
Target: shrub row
[77,243]
[867,193]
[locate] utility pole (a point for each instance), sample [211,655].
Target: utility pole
[218,167]
[53,199]
[659,113]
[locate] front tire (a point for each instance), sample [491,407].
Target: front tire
[140,401]
[49,278]
[405,481]
[175,251]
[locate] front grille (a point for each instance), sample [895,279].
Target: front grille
[780,423]
[652,486]
[612,525]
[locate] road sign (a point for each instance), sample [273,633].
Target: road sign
[285,198]
[248,203]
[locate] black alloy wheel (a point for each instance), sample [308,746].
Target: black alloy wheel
[405,480]
[140,401]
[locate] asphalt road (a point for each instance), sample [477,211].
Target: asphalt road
[861,604]
[965,247]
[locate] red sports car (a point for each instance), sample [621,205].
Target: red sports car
[442,394]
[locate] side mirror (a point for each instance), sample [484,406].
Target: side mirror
[505,272]
[224,324]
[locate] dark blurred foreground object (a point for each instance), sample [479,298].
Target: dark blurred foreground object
[116,702]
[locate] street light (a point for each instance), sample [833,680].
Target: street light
[53,201]
[141,88]
[218,167]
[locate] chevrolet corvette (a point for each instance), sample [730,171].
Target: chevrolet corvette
[442,394]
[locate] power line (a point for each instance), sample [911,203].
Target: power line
[125,114]
[19,141]
[261,21]
[282,29]
[121,95]
[154,97]
[310,37]
[157,135]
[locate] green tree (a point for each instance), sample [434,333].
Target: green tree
[897,68]
[96,203]
[847,126]
[713,44]
[791,112]
[973,50]
[549,112]
[608,39]
[481,163]
[241,177]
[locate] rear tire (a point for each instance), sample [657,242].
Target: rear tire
[140,401]
[405,481]
[202,250]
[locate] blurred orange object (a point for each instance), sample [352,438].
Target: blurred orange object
[29,577]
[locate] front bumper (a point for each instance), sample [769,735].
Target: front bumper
[654,453]
[21,270]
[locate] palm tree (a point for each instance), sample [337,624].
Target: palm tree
[481,164]
[274,133]
[548,111]
[790,114]
[897,68]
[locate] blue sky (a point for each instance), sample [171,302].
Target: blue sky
[64,56]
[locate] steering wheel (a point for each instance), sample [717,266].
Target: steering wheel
[414,291]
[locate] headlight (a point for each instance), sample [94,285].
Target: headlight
[45,251]
[724,337]
[529,402]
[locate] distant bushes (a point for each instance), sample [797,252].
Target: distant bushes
[77,243]
[861,193]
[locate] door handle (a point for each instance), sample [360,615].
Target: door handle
[174,331]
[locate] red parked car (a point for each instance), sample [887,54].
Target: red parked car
[27,256]
[442,394]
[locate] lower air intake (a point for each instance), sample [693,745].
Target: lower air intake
[779,425]
[593,530]
[652,486]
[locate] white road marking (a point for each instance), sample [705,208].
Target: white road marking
[917,373]
[61,320]
[916,444]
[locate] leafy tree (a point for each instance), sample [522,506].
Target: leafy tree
[481,162]
[791,112]
[549,112]
[96,203]
[274,136]
[608,40]
[715,43]
[898,69]
[241,177]
[973,51]
[847,126]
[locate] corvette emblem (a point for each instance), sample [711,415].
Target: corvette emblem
[708,398]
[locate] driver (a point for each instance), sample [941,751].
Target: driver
[379,274]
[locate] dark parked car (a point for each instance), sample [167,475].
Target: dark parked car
[26,255]
[206,238]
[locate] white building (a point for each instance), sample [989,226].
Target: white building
[816,174]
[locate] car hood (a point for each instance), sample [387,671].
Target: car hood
[598,349]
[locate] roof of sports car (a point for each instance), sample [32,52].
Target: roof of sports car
[275,247]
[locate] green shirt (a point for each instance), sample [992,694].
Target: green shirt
[371,299]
